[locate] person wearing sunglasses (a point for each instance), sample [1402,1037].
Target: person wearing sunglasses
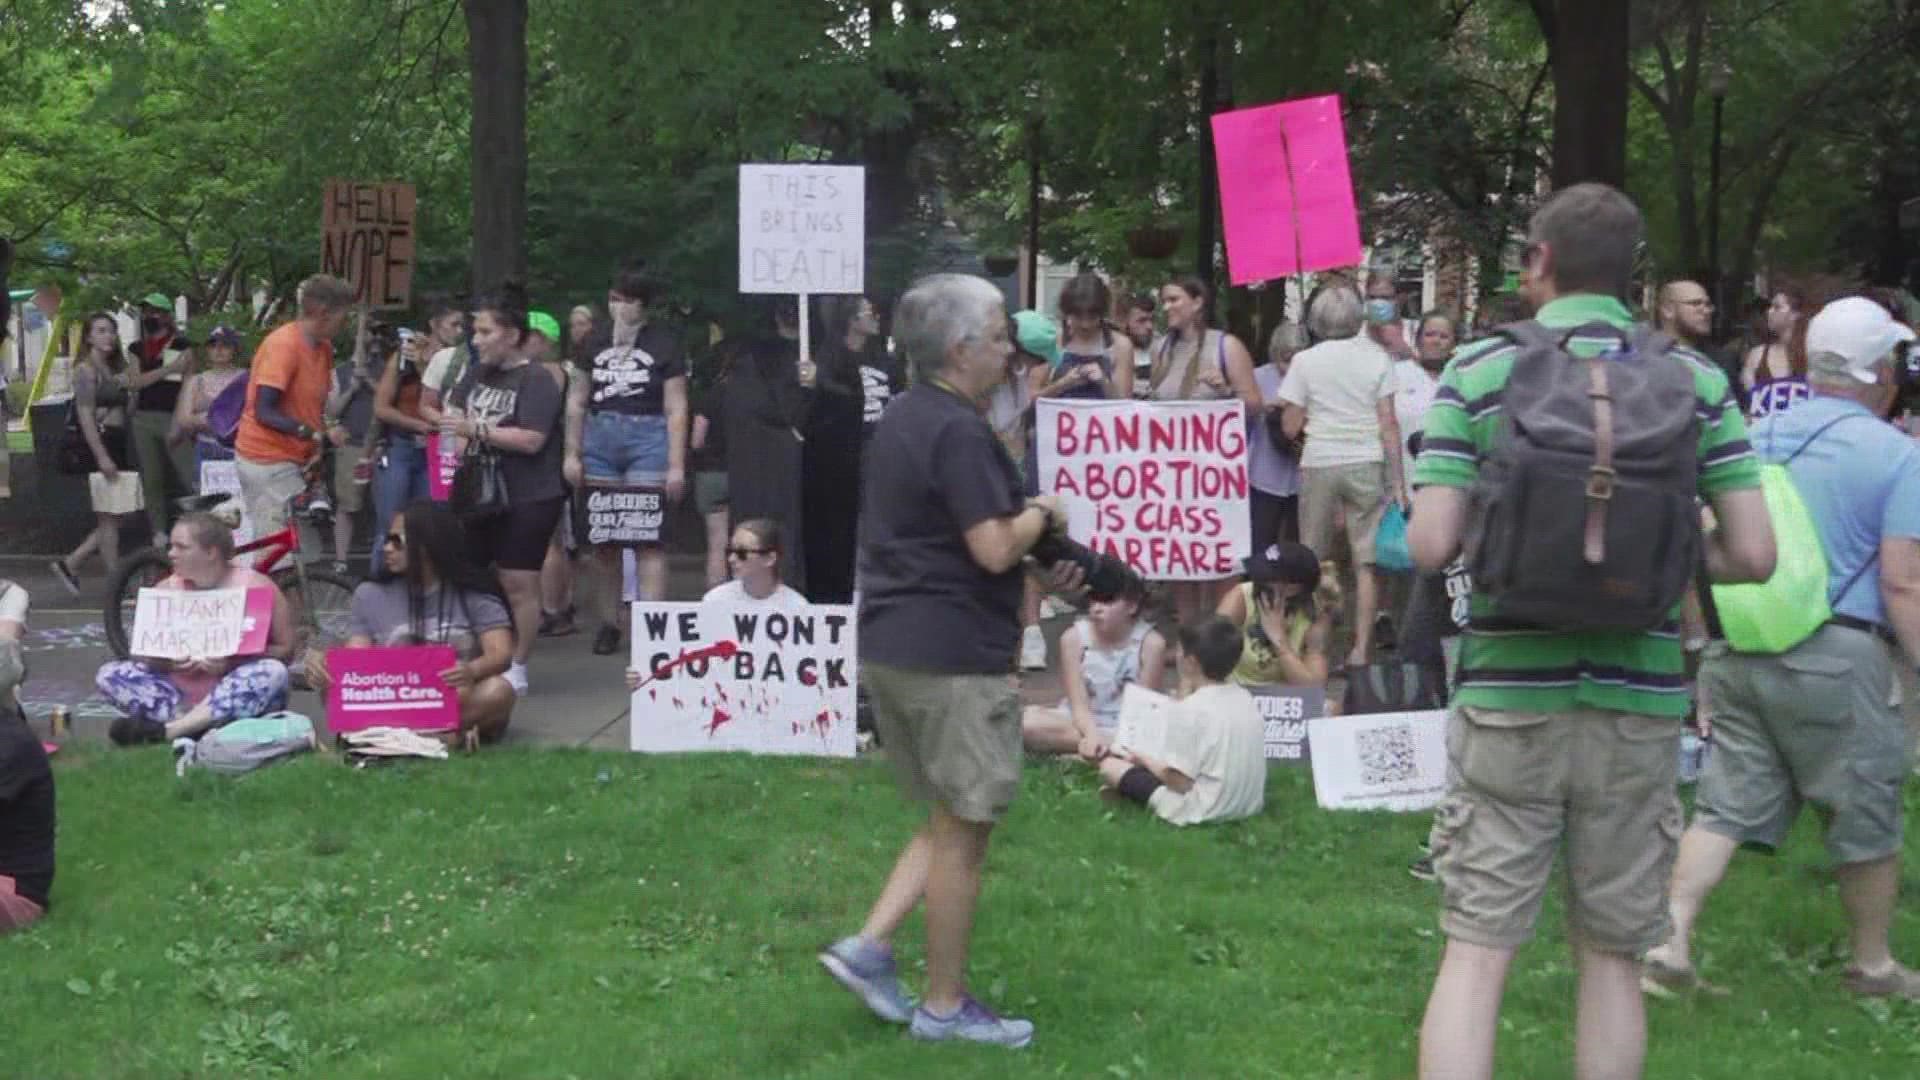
[753,556]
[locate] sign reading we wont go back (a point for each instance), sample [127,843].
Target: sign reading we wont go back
[367,238]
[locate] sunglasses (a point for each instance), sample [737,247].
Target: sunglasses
[396,540]
[747,553]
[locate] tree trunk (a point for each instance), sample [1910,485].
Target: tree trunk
[497,56]
[1587,40]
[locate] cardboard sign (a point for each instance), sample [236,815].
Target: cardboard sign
[623,516]
[224,476]
[803,229]
[1161,485]
[201,624]
[1286,193]
[1381,761]
[391,686]
[1285,711]
[366,239]
[1142,727]
[440,470]
[752,677]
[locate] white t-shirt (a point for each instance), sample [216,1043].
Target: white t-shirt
[734,594]
[1215,736]
[1341,384]
[1413,394]
[438,367]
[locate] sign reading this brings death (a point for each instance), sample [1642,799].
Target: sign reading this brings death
[366,239]
[623,517]
[803,229]
[1161,485]
[752,677]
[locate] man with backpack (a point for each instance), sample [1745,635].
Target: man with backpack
[1813,723]
[1567,454]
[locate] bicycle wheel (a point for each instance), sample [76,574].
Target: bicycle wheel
[326,622]
[141,570]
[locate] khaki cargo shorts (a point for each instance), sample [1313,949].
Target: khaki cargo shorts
[1358,492]
[954,740]
[1814,725]
[1520,784]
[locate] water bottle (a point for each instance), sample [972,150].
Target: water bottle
[1693,756]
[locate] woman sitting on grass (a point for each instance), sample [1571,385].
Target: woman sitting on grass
[1099,655]
[165,699]
[1285,610]
[754,556]
[431,592]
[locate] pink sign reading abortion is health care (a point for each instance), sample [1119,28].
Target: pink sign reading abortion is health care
[391,686]
[1286,194]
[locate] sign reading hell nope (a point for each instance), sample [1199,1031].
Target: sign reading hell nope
[1160,485]
[201,624]
[367,238]
[752,677]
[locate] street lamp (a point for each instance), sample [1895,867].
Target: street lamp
[1717,81]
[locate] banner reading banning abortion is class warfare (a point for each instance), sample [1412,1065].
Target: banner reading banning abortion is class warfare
[1161,485]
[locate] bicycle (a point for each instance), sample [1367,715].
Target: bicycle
[321,600]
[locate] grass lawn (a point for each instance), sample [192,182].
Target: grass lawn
[556,914]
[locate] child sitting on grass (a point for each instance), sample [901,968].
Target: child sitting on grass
[1099,655]
[1216,766]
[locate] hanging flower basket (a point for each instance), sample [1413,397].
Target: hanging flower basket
[1158,241]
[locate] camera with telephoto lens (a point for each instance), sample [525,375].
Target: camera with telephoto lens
[1106,576]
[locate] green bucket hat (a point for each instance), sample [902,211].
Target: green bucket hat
[544,324]
[157,300]
[1038,335]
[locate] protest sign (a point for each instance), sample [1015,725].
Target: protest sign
[201,624]
[224,476]
[367,238]
[441,465]
[391,686]
[622,516]
[1379,761]
[803,229]
[1142,727]
[1160,485]
[1286,193]
[1285,710]
[744,676]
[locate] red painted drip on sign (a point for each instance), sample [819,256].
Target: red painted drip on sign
[720,716]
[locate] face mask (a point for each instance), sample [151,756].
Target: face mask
[626,312]
[1381,310]
[151,324]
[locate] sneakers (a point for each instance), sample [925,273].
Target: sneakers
[67,577]
[516,677]
[1033,650]
[557,624]
[867,970]
[1896,981]
[607,641]
[972,1022]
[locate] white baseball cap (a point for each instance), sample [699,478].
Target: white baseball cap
[1850,336]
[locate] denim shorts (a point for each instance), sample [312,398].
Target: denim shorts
[616,448]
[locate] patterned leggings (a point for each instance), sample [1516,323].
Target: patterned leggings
[255,688]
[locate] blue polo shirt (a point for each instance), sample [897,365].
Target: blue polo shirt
[1860,479]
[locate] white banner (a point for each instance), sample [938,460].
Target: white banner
[1161,485]
[803,229]
[738,677]
[1381,761]
[225,476]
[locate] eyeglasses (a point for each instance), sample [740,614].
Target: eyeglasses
[747,553]
[396,540]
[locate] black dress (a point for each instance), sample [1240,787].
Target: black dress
[835,436]
[765,415]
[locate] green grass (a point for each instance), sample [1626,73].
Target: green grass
[556,914]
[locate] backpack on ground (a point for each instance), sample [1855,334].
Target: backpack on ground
[1584,515]
[224,412]
[246,745]
[1393,686]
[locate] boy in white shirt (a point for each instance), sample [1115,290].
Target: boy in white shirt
[1216,767]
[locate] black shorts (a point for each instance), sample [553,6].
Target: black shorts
[1138,785]
[1275,518]
[517,540]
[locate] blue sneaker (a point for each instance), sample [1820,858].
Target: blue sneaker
[972,1022]
[868,971]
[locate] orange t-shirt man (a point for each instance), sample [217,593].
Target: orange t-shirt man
[302,372]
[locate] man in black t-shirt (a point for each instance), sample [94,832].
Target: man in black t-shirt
[944,530]
[163,359]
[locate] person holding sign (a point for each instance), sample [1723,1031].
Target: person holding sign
[767,399]
[400,467]
[626,425]
[190,415]
[431,592]
[1099,656]
[1094,361]
[282,431]
[165,700]
[754,557]
[1285,610]
[944,532]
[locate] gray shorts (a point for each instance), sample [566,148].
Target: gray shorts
[954,740]
[709,492]
[1814,725]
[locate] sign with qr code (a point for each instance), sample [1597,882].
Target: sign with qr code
[1381,761]
[1284,711]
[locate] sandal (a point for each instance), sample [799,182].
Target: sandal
[1898,981]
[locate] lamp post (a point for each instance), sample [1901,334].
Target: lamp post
[1717,82]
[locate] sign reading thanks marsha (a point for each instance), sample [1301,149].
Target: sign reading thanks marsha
[1161,485]
[201,624]
[803,229]
[750,677]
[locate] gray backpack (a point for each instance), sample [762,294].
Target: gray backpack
[1585,513]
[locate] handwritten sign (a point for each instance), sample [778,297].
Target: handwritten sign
[1286,193]
[224,476]
[391,686]
[1285,711]
[1380,761]
[201,624]
[1161,485]
[624,516]
[1142,726]
[367,238]
[803,229]
[739,677]
[440,469]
